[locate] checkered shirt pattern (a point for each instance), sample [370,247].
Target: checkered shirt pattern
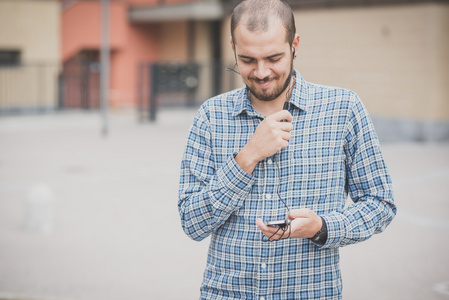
[333,152]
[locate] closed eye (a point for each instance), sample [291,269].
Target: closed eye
[273,60]
[246,60]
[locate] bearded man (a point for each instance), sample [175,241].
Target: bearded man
[279,149]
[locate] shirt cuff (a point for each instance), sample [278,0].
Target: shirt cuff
[336,230]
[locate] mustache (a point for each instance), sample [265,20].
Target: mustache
[265,79]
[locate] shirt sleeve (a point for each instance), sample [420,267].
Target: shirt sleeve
[368,183]
[208,194]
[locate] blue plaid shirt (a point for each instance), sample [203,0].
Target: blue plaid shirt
[333,152]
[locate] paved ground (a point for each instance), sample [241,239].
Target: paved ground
[116,232]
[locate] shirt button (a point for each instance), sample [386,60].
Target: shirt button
[262,298]
[263,266]
[269,161]
[268,196]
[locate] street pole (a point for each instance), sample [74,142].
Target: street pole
[104,62]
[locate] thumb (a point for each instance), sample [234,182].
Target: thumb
[299,213]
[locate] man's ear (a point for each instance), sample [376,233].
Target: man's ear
[232,44]
[295,43]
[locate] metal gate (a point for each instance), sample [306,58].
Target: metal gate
[79,86]
[179,84]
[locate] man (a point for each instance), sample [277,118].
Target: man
[248,161]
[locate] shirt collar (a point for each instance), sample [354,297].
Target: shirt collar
[300,93]
[298,98]
[242,102]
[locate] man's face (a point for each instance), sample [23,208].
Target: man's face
[264,59]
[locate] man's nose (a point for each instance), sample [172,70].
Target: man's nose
[262,71]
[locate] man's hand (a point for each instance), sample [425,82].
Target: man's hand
[305,223]
[270,136]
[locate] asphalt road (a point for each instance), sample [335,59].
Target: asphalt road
[87,217]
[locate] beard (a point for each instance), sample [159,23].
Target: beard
[263,95]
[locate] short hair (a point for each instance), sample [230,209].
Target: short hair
[258,14]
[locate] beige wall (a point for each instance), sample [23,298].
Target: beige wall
[33,28]
[203,47]
[440,60]
[172,41]
[391,56]
[203,55]
[395,57]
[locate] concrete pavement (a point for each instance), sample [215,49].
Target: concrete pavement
[113,229]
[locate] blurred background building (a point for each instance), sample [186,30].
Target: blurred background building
[94,237]
[29,55]
[394,54]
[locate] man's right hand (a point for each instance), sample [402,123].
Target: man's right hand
[270,136]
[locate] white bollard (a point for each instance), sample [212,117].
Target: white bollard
[39,209]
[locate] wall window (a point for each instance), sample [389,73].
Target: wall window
[9,57]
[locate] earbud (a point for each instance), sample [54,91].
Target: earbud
[294,53]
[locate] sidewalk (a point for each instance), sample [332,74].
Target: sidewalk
[116,232]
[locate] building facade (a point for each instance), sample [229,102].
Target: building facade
[394,54]
[29,55]
[136,38]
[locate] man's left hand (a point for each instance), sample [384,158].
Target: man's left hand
[305,223]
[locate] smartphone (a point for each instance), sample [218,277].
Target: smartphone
[278,223]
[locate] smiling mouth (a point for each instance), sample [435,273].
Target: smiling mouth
[263,82]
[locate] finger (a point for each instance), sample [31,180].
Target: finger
[283,144]
[288,232]
[286,126]
[260,224]
[264,227]
[286,136]
[281,233]
[282,115]
[268,231]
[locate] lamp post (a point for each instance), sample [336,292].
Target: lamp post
[104,62]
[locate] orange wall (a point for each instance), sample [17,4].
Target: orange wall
[130,44]
[155,2]
[141,47]
[81,27]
